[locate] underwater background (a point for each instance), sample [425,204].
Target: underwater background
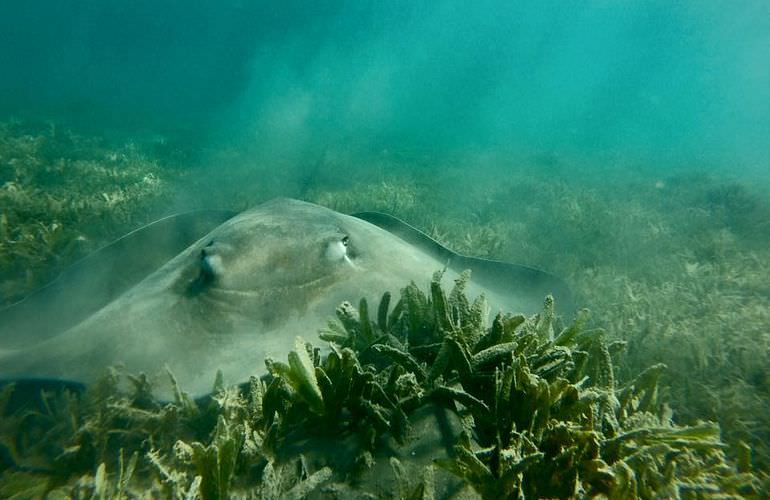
[621,145]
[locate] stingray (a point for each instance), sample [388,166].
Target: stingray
[205,291]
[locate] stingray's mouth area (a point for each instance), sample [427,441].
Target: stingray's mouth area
[265,307]
[316,285]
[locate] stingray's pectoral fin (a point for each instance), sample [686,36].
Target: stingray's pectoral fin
[101,277]
[528,286]
[525,286]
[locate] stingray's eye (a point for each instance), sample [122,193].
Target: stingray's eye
[337,249]
[345,240]
[210,268]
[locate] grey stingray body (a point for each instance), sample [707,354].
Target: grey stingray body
[243,292]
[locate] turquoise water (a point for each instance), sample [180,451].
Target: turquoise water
[656,85]
[621,145]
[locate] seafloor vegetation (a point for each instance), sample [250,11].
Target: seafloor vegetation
[521,408]
[677,267]
[62,196]
[664,391]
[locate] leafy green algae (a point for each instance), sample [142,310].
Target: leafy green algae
[537,409]
[676,266]
[63,195]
